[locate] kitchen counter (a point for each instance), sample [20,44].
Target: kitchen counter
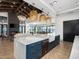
[29,39]
[33,46]
[22,42]
[75,49]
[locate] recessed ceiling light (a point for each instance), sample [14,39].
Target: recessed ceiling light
[53,3]
[77,2]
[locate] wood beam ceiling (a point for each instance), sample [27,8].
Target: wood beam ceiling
[20,7]
[23,9]
[26,8]
[8,5]
[12,1]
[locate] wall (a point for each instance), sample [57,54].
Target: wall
[64,17]
[12,19]
[4,14]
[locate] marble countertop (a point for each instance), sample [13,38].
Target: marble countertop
[29,39]
[75,49]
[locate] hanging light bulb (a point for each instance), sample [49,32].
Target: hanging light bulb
[42,17]
[33,15]
[21,18]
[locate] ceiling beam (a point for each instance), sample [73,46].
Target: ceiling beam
[7,8]
[12,7]
[20,6]
[8,4]
[16,2]
[25,12]
[28,6]
[20,12]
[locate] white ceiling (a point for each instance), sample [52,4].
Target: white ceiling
[62,6]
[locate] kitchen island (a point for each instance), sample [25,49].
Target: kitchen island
[75,49]
[32,46]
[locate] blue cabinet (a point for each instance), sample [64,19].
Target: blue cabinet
[54,43]
[33,51]
[45,44]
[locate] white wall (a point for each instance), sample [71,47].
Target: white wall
[4,14]
[64,17]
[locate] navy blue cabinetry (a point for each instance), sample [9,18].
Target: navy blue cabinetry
[33,51]
[45,44]
[54,43]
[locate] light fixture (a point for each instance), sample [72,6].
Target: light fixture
[42,18]
[33,15]
[53,3]
[21,18]
[77,2]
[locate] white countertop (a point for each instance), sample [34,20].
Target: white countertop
[75,49]
[28,39]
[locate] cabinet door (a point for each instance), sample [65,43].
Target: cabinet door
[34,51]
[45,47]
[69,37]
[69,30]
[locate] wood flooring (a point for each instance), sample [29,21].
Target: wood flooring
[6,49]
[62,51]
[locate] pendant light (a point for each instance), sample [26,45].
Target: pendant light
[21,18]
[42,18]
[33,15]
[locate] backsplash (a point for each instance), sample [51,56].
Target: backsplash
[41,29]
